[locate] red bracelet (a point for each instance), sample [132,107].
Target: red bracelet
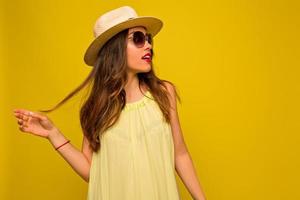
[62,144]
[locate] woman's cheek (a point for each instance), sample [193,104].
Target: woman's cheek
[131,61]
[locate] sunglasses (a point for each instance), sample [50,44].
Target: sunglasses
[139,38]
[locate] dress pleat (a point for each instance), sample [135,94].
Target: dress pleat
[136,158]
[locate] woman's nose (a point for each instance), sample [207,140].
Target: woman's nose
[148,45]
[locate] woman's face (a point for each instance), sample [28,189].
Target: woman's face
[135,55]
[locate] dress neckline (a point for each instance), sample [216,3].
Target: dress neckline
[139,103]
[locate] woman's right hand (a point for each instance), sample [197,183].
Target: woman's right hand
[35,123]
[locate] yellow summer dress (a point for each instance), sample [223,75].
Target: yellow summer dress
[136,158]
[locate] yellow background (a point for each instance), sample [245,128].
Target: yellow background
[235,64]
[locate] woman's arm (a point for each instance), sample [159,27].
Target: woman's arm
[40,125]
[187,173]
[183,161]
[76,159]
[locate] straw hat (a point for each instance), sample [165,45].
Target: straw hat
[115,21]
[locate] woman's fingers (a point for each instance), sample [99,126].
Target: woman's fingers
[24,117]
[33,122]
[20,121]
[21,111]
[37,115]
[23,128]
[22,114]
[23,123]
[26,114]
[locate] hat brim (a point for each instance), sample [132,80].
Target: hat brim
[152,24]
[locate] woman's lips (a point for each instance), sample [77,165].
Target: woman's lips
[147,57]
[148,60]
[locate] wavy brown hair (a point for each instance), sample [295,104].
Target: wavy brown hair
[106,98]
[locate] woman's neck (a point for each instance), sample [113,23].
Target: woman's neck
[133,92]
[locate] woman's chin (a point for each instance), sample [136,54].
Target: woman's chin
[142,69]
[145,68]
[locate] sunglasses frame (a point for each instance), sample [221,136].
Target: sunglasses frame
[146,36]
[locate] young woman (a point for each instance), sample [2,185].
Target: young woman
[132,142]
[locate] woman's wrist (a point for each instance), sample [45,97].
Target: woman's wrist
[56,138]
